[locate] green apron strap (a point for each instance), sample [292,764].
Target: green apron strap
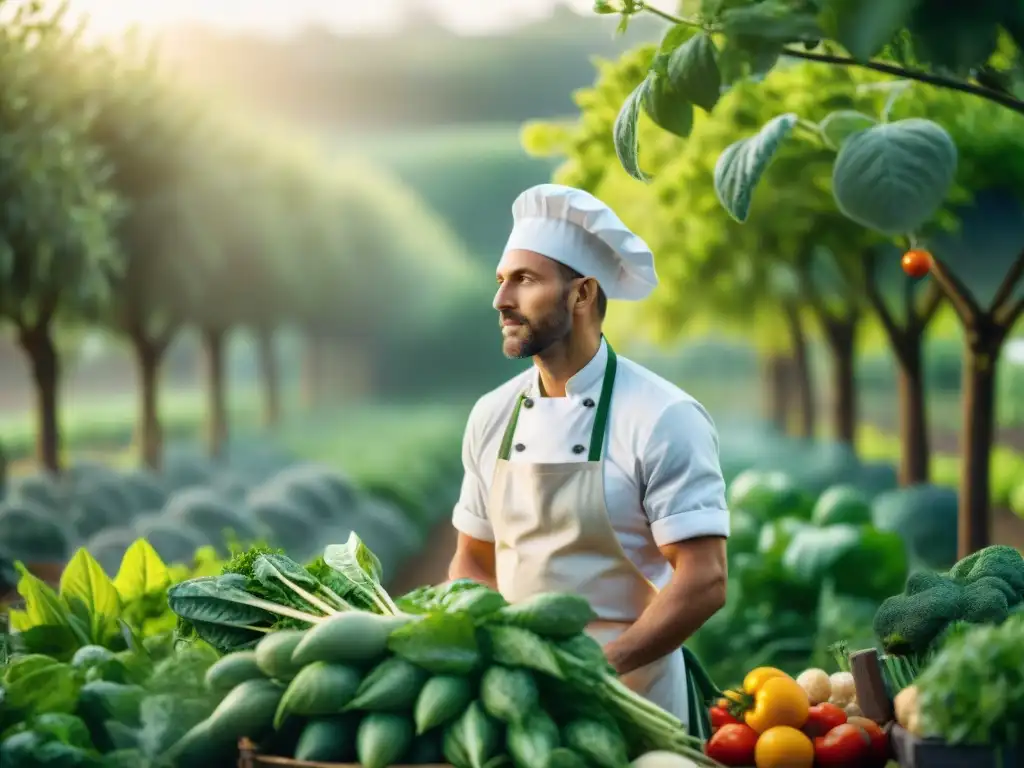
[600,417]
[510,430]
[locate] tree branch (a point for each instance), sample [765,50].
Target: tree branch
[1005,292]
[938,81]
[1008,316]
[929,306]
[959,295]
[877,301]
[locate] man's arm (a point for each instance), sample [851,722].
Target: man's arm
[684,499]
[695,594]
[474,552]
[474,559]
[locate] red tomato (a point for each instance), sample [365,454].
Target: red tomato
[917,262]
[733,744]
[845,746]
[822,718]
[879,740]
[720,716]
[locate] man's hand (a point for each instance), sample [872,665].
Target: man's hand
[473,559]
[695,594]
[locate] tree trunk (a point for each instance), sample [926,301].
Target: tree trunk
[38,346]
[312,373]
[803,380]
[981,354]
[217,411]
[270,377]
[149,354]
[841,336]
[775,372]
[913,416]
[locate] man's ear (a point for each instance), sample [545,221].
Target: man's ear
[586,293]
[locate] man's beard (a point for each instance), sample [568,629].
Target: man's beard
[533,338]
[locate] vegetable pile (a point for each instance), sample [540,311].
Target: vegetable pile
[324,666]
[775,721]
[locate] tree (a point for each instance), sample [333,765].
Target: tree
[150,132]
[55,249]
[958,47]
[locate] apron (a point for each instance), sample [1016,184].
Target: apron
[553,534]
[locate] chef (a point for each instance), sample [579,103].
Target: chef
[587,473]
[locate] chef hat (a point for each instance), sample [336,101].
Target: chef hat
[576,229]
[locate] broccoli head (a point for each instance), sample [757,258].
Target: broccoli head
[996,562]
[983,588]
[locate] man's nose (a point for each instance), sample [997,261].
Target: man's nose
[503,298]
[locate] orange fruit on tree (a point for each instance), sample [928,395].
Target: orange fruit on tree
[917,262]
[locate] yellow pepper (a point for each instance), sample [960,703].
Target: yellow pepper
[778,701]
[756,677]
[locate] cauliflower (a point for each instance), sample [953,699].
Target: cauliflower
[843,689]
[816,684]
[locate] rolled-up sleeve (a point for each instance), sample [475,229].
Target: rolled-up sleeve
[684,494]
[470,513]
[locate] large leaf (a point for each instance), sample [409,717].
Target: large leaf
[667,108]
[217,600]
[838,126]
[693,72]
[864,27]
[142,572]
[625,131]
[770,20]
[43,606]
[893,177]
[741,166]
[360,567]
[442,643]
[41,687]
[90,595]
[518,647]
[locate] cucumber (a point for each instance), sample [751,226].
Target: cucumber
[232,670]
[552,614]
[561,757]
[318,689]
[508,694]
[275,651]
[391,686]
[475,735]
[382,739]
[328,740]
[442,699]
[351,637]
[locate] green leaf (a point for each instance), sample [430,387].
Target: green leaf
[666,107]
[865,27]
[676,36]
[770,20]
[442,643]
[876,568]
[741,166]
[812,554]
[693,72]
[141,573]
[45,688]
[893,177]
[90,595]
[747,57]
[518,647]
[838,126]
[357,563]
[627,144]
[43,606]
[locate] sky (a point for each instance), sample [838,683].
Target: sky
[285,16]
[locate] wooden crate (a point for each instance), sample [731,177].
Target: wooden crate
[249,757]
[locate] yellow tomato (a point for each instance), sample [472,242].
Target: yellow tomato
[783,747]
[756,677]
[779,701]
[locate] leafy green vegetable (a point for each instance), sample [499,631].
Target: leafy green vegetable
[441,700]
[440,643]
[391,686]
[360,566]
[552,615]
[318,689]
[382,739]
[475,735]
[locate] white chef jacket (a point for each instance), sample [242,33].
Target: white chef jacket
[662,478]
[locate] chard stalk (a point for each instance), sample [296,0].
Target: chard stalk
[308,597]
[284,610]
[339,602]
